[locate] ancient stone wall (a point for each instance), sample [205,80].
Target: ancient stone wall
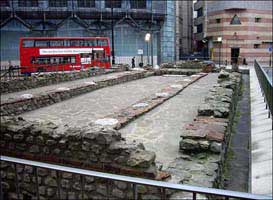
[30,102]
[28,82]
[93,147]
[211,129]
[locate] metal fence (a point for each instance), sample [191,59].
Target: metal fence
[218,193]
[266,86]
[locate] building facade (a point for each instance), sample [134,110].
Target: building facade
[234,31]
[184,28]
[128,20]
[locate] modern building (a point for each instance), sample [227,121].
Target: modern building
[234,31]
[128,20]
[184,28]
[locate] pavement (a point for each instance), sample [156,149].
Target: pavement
[86,108]
[261,140]
[160,129]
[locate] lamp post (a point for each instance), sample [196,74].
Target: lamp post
[147,39]
[219,39]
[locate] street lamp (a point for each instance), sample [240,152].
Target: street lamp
[219,39]
[147,39]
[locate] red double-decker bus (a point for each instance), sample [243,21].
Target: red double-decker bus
[44,54]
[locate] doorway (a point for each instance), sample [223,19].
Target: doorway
[235,52]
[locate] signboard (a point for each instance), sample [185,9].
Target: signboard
[140,51]
[64,51]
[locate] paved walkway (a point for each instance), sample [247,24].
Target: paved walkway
[261,140]
[49,88]
[160,129]
[82,110]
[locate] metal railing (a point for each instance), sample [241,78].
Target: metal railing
[266,86]
[132,180]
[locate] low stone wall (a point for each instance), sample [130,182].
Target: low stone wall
[30,102]
[207,137]
[93,147]
[28,82]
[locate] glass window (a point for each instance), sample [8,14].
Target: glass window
[102,43]
[257,46]
[86,3]
[27,3]
[200,12]
[258,19]
[56,43]
[57,3]
[74,43]
[66,43]
[138,4]
[28,43]
[41,43]
[114,3]
[218,21]
[200,28]
[90,43]
[235,20]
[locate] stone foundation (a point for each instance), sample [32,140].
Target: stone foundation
[93,147]
[28,82]
[30,102]
[207,137]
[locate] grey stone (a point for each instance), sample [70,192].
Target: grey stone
[40,140]
[7,137]
[42,172]
[204,144]
[34,149]
[141,158]
[189,145]
[120,185]
[150,197]
[50,192]
[67,175]
[89,187]
[65,183]
[18,137]
[30,139]
[77,186]
[50,142]
[223,74]
[89,179]
[216,147]
[118,193]
[101,189]
[50,181]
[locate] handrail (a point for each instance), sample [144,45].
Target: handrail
[140,181]
[266,86]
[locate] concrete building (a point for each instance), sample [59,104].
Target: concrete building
[184,28]
[132,20]
[234,30]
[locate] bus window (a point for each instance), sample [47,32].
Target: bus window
[73,59]
[66,43]
[90,43]
[77,43]
[41,43]
[102,43]
[28,43]
[56,43]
